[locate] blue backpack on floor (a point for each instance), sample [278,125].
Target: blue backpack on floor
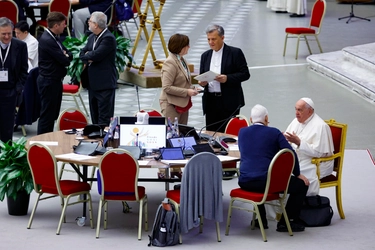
[166,228]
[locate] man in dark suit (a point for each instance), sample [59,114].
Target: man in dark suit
[258,144]
[223,96]
[54,59]
[99,56]
[13,74]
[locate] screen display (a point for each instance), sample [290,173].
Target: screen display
[145,136]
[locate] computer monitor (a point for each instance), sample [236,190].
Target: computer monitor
[188,131]
[183,142]
[133,120]
[146,136]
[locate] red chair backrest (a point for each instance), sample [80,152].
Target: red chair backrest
[317,13]
[72,119]
[62,6]
[152,113]
[135,7]
[42,166]
[235,124]
[281,169]
[119,175]
[336,137]
[9,9]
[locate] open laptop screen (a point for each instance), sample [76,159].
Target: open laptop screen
[133,120]
[172,153]
[183,142]
[145,136]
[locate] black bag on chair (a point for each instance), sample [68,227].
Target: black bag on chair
[316,211]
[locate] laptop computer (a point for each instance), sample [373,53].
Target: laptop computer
[172,153]
[185,130]
[203,147]
[133,120]
[186,143]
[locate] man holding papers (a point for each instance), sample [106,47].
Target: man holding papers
[223,96]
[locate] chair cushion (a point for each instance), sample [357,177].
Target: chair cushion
[174,195]
[299,30]
[253,196]
[125,196]
[328,178]
[67,187]
[70,88]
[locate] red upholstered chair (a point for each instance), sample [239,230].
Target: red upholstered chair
[200,195]
[118,181]
[74,91]
[233,127]
[152,112]
[334,180]
[9,9]
[317,15]
[62,6]
[278,177]
[43,167]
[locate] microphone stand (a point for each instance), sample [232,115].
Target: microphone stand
[351,15]
[139,105]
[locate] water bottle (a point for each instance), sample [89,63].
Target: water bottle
[175,125]
[116,137]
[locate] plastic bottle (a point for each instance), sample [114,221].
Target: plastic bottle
[116,137]
[169,133]
[175,125]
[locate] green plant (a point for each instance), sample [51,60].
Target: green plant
[75,45]
[15,173]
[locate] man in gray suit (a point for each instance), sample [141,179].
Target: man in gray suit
[13,74]
[99,56]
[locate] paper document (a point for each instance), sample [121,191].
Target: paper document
[46,143]
[73,156]
[208,76]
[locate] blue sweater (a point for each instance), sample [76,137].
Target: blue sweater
[258,144]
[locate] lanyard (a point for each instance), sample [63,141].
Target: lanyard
[6,56]
[49,32]
[96,39]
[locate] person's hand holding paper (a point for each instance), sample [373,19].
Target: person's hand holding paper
[208,76]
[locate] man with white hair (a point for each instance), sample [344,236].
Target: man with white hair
[258,144]
[311,137]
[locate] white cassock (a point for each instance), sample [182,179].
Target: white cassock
[316,141]
[276,5]
[32,50]
[298,7]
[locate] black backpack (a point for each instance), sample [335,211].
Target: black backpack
[124,10]
[166,228]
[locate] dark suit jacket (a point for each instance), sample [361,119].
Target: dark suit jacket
[102,71]
[258,144]
[18,58]
[234,65]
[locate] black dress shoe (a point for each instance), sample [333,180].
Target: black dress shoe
[297,15]
[296,227]
[265,224]
[280,11]
[229,173]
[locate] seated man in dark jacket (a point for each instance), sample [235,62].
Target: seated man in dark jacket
[258,144]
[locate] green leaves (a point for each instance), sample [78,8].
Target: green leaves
[15,173]
[75,45]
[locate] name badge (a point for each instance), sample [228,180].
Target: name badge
[3,75]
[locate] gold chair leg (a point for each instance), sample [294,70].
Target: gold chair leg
[62,217]
[320,47]
[83,104]
[33,212]
[229,217]
[285,42]
[298,40]
[308,45]
[140,219]
[146,213]
[90,210]
[256,209]
[218,231]
[99,218]
[339,202]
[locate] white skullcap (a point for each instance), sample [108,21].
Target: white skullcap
[308,101]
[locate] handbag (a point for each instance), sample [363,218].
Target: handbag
[86,147]
[316,211]
[181,110]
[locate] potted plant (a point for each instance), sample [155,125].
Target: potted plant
[16,181]
[75,45]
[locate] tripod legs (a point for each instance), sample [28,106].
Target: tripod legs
[351,15]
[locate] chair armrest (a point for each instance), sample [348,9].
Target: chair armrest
[317,161]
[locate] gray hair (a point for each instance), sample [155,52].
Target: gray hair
[100,19]
[213,27]
[5,22]
[258,113]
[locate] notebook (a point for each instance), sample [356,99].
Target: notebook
[204,147]
[186,143]
[172,153]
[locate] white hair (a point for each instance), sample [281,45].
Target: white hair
[258,113]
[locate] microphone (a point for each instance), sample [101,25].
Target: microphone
[80,122]
[139,105]
[224,121]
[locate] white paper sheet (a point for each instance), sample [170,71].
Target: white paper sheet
[208,76]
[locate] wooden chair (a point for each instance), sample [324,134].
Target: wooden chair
[118,181]
[334,180]
[10,10]
[74,91]
[278,178]
[204,193]
[62,6]
[43,167]
[317,15]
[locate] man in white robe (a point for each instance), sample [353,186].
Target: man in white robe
[277,5]
[310,137]
[298,8]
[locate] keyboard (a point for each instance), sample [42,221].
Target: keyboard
[188,152]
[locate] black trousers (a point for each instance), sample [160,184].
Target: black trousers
[217,115]
[7,113]
[50,91]
[297,192]
[102,105]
